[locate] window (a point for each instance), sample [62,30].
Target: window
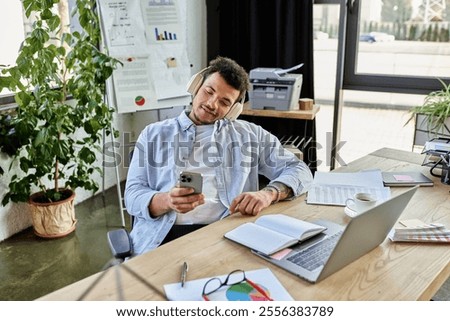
[12,30]
[376,100]
[14,26]
[397,45]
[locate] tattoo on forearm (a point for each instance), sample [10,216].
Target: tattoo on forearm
[286,191]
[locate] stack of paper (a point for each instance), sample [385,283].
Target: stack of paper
[335,188]
[417,231]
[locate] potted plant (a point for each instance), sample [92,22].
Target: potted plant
[59,84]
[433,115]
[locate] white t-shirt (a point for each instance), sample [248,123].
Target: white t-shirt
[201,161]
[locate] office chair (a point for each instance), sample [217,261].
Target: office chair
[120,244]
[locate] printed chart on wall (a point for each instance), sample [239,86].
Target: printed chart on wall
[148,37]
[165,34]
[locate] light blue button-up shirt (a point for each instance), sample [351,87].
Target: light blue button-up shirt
[245,150]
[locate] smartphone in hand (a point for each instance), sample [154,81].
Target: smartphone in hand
[191,179]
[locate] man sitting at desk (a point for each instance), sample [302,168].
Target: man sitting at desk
[230,154]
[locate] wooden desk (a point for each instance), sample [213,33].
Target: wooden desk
[392,271]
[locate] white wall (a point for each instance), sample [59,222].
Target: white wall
[15,217]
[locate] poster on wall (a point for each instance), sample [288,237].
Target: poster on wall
[165,35]
[133,86]
[162,21]
[173,71]
[147,36]
[123,28]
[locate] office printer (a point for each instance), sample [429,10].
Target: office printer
[275,88]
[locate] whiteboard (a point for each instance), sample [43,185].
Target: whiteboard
[148,38]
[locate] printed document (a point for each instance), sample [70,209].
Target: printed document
[264,278]
[335,188]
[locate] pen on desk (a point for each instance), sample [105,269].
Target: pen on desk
[184,273]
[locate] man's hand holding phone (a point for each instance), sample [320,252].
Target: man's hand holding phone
[187,195]
[182,198]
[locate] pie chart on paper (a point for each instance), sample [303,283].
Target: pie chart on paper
[139,100]
[239,292]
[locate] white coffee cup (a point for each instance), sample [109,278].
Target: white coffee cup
[361,202]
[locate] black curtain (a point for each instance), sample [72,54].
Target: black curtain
[263,33]
[272,34]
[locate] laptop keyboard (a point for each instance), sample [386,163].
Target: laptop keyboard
[315,255]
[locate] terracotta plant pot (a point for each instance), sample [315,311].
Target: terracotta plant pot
[52,220]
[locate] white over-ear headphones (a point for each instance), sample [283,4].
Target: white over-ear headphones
[196,82]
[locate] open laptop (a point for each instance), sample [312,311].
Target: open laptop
[338,246]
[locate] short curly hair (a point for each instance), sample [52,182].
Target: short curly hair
[234,74]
